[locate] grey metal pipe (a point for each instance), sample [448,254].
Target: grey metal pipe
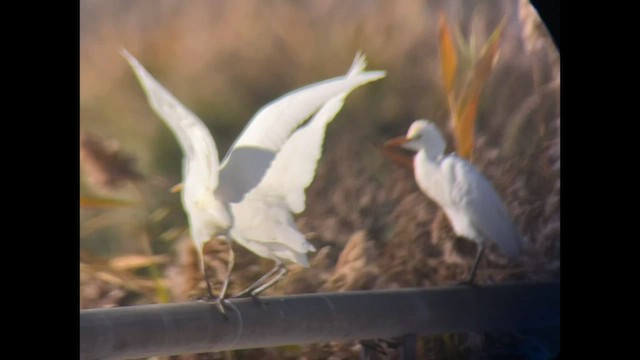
[157,330]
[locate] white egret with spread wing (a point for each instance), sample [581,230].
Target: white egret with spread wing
[470,202]
[210,187]
[264,220]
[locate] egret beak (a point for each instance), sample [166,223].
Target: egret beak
[176,188]
[392,149]
[396,142]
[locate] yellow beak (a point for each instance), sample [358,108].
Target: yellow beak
[395,142]
[176,188]
[392,150]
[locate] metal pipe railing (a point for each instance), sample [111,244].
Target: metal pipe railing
[160,330]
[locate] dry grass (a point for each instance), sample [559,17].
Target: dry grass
[374,229]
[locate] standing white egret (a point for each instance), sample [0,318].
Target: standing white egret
[209,187]
[470,202]
[264,222]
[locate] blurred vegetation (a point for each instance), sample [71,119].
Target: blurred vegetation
[372,226]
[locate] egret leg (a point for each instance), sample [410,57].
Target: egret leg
[475,264]
[260,281]
[281,273]
[219,300]
[205,272]
[207,277]
[206,280]
[230,264]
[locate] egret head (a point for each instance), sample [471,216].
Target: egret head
[423,134]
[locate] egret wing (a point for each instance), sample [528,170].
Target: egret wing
[251,154]
[200,165]
[294,167]
[263,220]
[475,196]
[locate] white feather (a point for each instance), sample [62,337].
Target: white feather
[200,166]
[208,216]
[474,196]
[272,125]
[264,222]
[470,202]
[264,216]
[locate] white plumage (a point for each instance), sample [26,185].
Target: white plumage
[209,188]
[264,221]
[470,202]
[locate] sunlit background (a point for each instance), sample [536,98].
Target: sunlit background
[372,226]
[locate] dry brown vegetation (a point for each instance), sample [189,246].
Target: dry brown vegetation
[372,226]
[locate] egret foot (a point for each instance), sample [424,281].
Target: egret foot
[219,304]
[257,300]
[208,298]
